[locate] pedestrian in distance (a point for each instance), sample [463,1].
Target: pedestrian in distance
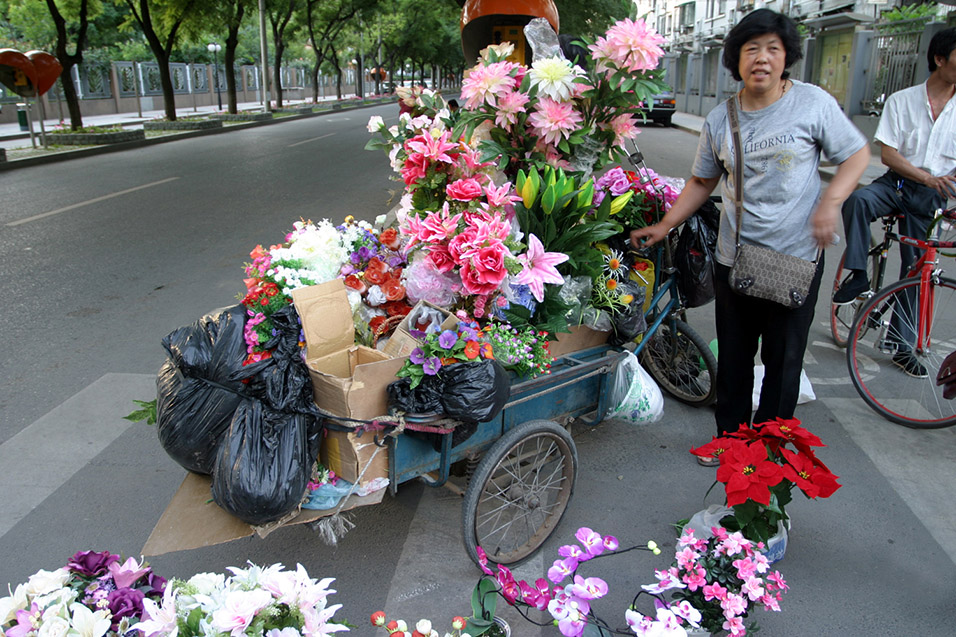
[785,124]
[917,137]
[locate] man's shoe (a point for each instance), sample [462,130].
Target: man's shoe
[910,365]
[851,289]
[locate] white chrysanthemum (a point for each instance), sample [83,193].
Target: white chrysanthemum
[554,77]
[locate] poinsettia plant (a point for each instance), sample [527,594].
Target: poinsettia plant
[759,468]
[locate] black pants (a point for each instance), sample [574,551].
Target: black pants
[741,321]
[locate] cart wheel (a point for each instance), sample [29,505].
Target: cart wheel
[519,492]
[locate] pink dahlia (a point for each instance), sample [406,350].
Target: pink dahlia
[485,84]
[553,120]
[629,45]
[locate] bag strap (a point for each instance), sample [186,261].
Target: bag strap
[739,170]
[738,165]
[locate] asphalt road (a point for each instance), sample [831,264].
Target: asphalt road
[104,256]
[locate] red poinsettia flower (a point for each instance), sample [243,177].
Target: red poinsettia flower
[715,448]
[790,430]
[748,473]
[812,478]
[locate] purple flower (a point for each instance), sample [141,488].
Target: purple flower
[355,258]
[614,180]
[364,253]
[468,334]
[125,602]
[395,261]
[431,366]
[91,563]
[156,585]
[417,356]
[447,339]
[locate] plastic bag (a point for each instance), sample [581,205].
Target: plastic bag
[703,521]
[327,495]
[543,40]
[629,323]
[263,466]
[694,257]
[424,399]
[475,391]
[196,394]
[635,397]
[806,388]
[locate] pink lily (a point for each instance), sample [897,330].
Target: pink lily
[126,574]
[28,621]
[539,267]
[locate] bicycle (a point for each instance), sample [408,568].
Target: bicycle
[914,314]
[674,354]
[841,316]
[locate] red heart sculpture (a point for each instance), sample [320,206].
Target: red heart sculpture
[17,73]
[48,69]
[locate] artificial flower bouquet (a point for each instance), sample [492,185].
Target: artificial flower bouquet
[253,602]
[570,115]
[422,628]
[95,594]
[716,582]
[760,466]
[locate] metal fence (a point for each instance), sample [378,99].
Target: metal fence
[895,61]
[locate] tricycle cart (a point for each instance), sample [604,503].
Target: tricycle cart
[525,477]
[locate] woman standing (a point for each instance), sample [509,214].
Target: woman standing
[785,125]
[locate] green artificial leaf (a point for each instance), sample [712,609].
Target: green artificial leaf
[147,412]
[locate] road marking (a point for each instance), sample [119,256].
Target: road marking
[90,201]
[306,141]
[45,455]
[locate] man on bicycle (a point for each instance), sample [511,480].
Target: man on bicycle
[917,134]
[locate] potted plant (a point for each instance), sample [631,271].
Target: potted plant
[759,467]
[423,627]
[716,582]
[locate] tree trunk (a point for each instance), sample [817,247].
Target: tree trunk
[68,61]
[72,100]
[166,81]
[232,41]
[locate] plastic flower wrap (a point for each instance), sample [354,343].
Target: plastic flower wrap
[652,195]
[572,116]
[95,595]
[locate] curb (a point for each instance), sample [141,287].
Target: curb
[11,164]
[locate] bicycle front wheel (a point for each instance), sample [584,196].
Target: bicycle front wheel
[905,392]
[681,363]
[841,316]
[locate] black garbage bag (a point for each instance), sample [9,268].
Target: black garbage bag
[630,322]
[475,391]
[694,256]
[264,462]
[282,380]
[423,399]
[195,395]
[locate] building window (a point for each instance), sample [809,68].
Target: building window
[686,16]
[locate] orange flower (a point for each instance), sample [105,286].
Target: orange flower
[355,283]
[376,272]
[393,290]
[472,349]
[390,238]
[610,284]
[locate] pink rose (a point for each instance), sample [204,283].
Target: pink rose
[489,263]
[474,283]
[461,243]
[464,189]
[441,258]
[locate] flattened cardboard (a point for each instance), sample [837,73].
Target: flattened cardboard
[580,337]
[347,454]
[401,342]
[347,380]
[192,520]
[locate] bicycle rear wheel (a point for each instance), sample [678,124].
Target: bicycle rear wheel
[884,322]
[841,316]
[681,363]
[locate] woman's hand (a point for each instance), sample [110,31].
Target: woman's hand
[823,223]
[648,236]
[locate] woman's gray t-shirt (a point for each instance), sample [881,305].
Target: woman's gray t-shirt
[781,147]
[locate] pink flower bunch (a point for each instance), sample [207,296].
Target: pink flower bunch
[568,603]
[629,45]
[723,577]
[489,84]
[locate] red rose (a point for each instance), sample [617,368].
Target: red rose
[394,291]
[376,272]
[390,238]
[464,189]
[376,324]
[397,308]
[355,283]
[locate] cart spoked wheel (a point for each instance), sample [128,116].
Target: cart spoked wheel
[519,492]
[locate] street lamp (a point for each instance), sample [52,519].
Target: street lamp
[215,49]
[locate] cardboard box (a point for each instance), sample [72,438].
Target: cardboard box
[349,455]
[580,337]
[401,342]
[192,520]
[347,380]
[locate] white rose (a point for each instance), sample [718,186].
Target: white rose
[43,582]
[423,626]
[54,627]
[375,123]
[207,583]
[375,296]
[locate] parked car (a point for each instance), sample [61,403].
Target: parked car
[663,110]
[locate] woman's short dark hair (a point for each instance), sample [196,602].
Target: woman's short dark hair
[755,24]
[941,45]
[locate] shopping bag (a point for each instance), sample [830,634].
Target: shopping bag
[635,397]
